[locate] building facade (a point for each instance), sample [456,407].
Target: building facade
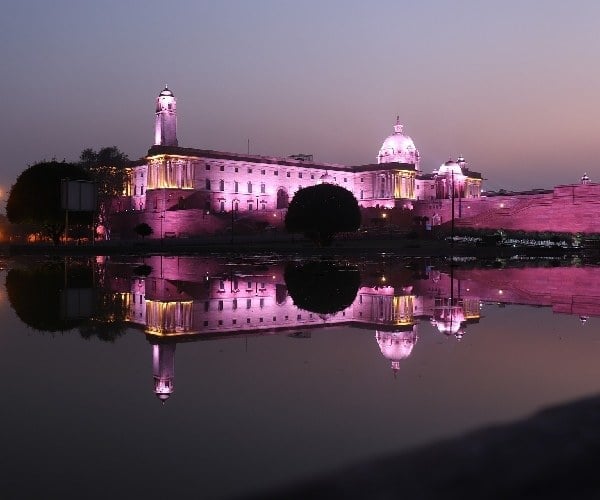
[173,186]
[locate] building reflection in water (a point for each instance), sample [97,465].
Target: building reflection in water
[188,298]
[191,298]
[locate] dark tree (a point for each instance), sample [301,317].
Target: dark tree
[35,198]
[36,294]
[322,287]
[39,296]
[321,211]
[143,230]
[108,168]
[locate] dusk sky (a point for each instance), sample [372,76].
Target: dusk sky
[511,85]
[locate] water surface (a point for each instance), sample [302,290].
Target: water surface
[151,381]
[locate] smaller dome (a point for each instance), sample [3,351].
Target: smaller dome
[163,397]
[396,346]
[326,179]
[449,319]
[449,168]
[166,92]
[585,178]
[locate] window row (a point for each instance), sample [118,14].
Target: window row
[260,320]
[236,186]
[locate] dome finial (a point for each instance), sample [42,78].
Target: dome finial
[398,127]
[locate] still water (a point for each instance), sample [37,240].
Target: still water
[188,377]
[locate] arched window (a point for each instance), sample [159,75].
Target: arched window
[262,188]
[283,200]
[221,185]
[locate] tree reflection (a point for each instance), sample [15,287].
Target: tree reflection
[59,297]
[35,294]
[322,287]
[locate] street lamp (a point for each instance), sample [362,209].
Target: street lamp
[452,226]
[232,220]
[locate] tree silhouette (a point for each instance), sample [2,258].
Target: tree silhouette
[35,198]
[322,287]
[143,230]
[107,167]
[35,294]
[321,211]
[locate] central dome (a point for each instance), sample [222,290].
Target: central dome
[399,148]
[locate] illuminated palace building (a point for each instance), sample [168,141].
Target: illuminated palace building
[186,189]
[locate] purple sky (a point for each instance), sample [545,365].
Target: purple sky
[511,85]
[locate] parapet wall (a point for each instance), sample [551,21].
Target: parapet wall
[572,209]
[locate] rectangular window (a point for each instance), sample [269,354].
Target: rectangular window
[207,167]
[262,188]
[276,172]
[234,304]
[287,174]
[206,306]
[312,176]
[236,169]
[249,170]
[141,189]
[220,305]
[236,187]
[207,184]
[300,175]
[263,172]
[222,168]
[206,323]
[262,303]
[248,303]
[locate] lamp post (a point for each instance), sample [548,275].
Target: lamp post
[452,224]
[232,220]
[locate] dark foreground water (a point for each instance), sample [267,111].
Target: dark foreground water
[384,355]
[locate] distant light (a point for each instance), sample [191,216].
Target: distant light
[501,205]
[500,292]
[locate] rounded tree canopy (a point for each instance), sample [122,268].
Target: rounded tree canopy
[321,211]
[35,197]
[35,294]
[322,287]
